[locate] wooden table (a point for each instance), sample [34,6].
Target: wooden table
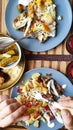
[60,56]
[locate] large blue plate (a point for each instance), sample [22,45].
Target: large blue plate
[63,26]
[59,77]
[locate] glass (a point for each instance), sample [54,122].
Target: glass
[69,44]
[69,47]
[69,71]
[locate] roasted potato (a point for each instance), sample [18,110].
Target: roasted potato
[20,8]
[6,61]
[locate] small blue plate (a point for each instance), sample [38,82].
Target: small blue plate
[59,77]
[63,26]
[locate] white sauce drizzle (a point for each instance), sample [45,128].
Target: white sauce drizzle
[49,124]
[64,86]
[28,26]
[57,115]
[50,85]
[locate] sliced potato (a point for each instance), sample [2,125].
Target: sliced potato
[35,75]
[20,8]
[6,61]
[8,48]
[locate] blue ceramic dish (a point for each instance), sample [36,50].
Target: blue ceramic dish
[59,77]
[63,26]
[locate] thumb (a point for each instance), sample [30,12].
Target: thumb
[67,119]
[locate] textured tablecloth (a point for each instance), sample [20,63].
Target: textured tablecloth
[57,58]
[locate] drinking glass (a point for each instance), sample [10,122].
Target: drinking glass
[69,47]
[69,44]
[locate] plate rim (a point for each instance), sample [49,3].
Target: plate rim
[46,49]
[46,68]
[32,70]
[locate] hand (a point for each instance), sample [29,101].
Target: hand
[66,115]
[10,111]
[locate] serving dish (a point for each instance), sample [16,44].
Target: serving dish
[13,74]
[14,50]
[59,77]
[63,26]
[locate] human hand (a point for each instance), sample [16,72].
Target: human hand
[10,111]
[66,115]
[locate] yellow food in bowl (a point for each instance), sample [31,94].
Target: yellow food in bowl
[10,55]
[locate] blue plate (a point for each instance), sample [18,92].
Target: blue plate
[59,77]
[63,26]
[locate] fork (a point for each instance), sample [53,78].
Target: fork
[38,96]
[17,40]
[31,36]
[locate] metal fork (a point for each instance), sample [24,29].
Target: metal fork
[38,96]
[31,36]
[17,40]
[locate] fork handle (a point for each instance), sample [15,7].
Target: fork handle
[16,40]
[57,105]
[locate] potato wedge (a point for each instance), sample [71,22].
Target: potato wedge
[6,61]
[8,48]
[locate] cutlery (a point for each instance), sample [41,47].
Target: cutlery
[69,44]
[31,36]
[55,104]
[2,45]
[57,115]
[52,105]
[69,47]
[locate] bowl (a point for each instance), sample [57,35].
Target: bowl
[10,53]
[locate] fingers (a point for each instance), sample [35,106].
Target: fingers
[12,111]
[3,97]
[6,103]
[65,98]
[66,115]
[9,109]
[66,101]
[67,104]
[67,119]
[12,117]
